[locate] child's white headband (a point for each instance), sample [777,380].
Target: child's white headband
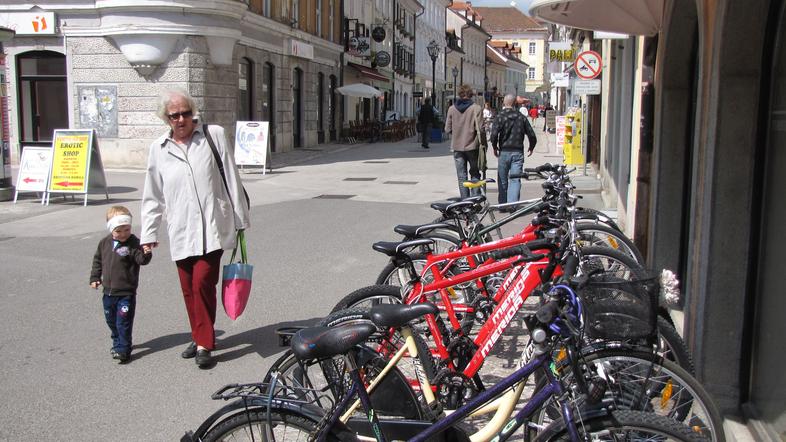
[117,221]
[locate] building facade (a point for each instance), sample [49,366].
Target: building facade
[467,39]
[512,26]
[700,158]
[102,66]
[430,76]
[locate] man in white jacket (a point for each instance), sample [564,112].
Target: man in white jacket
[203,213]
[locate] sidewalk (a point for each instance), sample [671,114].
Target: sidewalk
[327,164]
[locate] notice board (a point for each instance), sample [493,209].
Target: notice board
[252,143]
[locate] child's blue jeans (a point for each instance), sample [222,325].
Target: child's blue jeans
[119,314]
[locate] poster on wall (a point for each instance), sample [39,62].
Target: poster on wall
[76,164]
[252,143]
[98,109]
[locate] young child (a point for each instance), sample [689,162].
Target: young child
[116,267]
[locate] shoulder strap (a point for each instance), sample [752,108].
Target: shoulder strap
[220,164]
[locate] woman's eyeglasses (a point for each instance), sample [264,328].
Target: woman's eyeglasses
[176,116]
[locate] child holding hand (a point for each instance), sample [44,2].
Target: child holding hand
[116,268]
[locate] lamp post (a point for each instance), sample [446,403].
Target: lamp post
[454,71]
[433,52]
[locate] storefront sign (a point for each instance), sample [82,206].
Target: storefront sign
[586,87]
[383,59]
[251,143]
[300,49]
[360,46]
[378,34]
[561,51]
[29,23]
[600,35]
[34,170]
[76,163]
[560,80]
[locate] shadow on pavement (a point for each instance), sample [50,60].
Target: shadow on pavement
[262,341]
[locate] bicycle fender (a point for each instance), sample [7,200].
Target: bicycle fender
[558,425]
[255,404]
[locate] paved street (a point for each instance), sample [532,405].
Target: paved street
[314,219]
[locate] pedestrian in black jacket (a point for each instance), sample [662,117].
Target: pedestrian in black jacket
[507,139]
[116,268]
[426,121]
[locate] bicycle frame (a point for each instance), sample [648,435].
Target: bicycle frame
[500,426]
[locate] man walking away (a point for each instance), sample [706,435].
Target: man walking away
[507,140]
[464,121]
[426,120]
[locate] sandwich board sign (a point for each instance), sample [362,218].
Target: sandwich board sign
[252,143]
[34,171]
[76,164]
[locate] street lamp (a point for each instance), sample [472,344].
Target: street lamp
[455,74]
[433,52]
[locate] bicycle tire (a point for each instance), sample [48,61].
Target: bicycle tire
[243,426]
[587,215]
[671,391]
[608,238]
[625,425]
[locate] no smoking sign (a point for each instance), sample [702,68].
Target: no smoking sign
[588,65]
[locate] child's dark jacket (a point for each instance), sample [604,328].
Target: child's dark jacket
[117,267]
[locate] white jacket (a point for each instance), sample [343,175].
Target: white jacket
[188,187]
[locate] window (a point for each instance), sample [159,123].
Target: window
[268,105]
[43,98]
[245,86]
[531,73]
[319,18]
[532,47]
[331,20]
[295,13]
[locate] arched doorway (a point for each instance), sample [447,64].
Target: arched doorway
[42,96]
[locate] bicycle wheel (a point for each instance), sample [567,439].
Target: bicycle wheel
[624,425]
[253,426]
[643,381]
[367,297]
[601,235]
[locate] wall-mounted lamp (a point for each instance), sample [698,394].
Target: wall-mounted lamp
[144,69]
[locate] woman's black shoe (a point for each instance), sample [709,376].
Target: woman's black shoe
[203,358]
[190,351]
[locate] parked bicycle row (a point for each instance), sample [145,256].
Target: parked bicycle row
[404,359]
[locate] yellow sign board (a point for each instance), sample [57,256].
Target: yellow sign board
[76,163]
[70,160]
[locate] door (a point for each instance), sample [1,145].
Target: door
[43,99]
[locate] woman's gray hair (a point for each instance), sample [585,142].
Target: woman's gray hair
[166,97]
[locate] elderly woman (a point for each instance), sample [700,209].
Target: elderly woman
[203,211]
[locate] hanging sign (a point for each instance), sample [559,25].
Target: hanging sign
[588,65]
[33,170]
[360,46]
[383,59]
[561,51]
[75,157]
[29,23]
[251,143]
[378,34]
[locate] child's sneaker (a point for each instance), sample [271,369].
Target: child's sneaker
[114,354]
[123,358]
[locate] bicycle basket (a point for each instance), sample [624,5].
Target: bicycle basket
[619,309]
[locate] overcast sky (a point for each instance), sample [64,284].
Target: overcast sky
[523,5]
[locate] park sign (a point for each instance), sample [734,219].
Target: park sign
[76,163]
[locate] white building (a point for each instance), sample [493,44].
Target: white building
[430,27]
[101,65]
[467,39]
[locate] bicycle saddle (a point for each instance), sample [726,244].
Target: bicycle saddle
[396,315]
[324,342]
[398,248]
[417,230]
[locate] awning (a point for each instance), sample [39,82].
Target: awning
[359,90]
[633,17]
[368,72]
